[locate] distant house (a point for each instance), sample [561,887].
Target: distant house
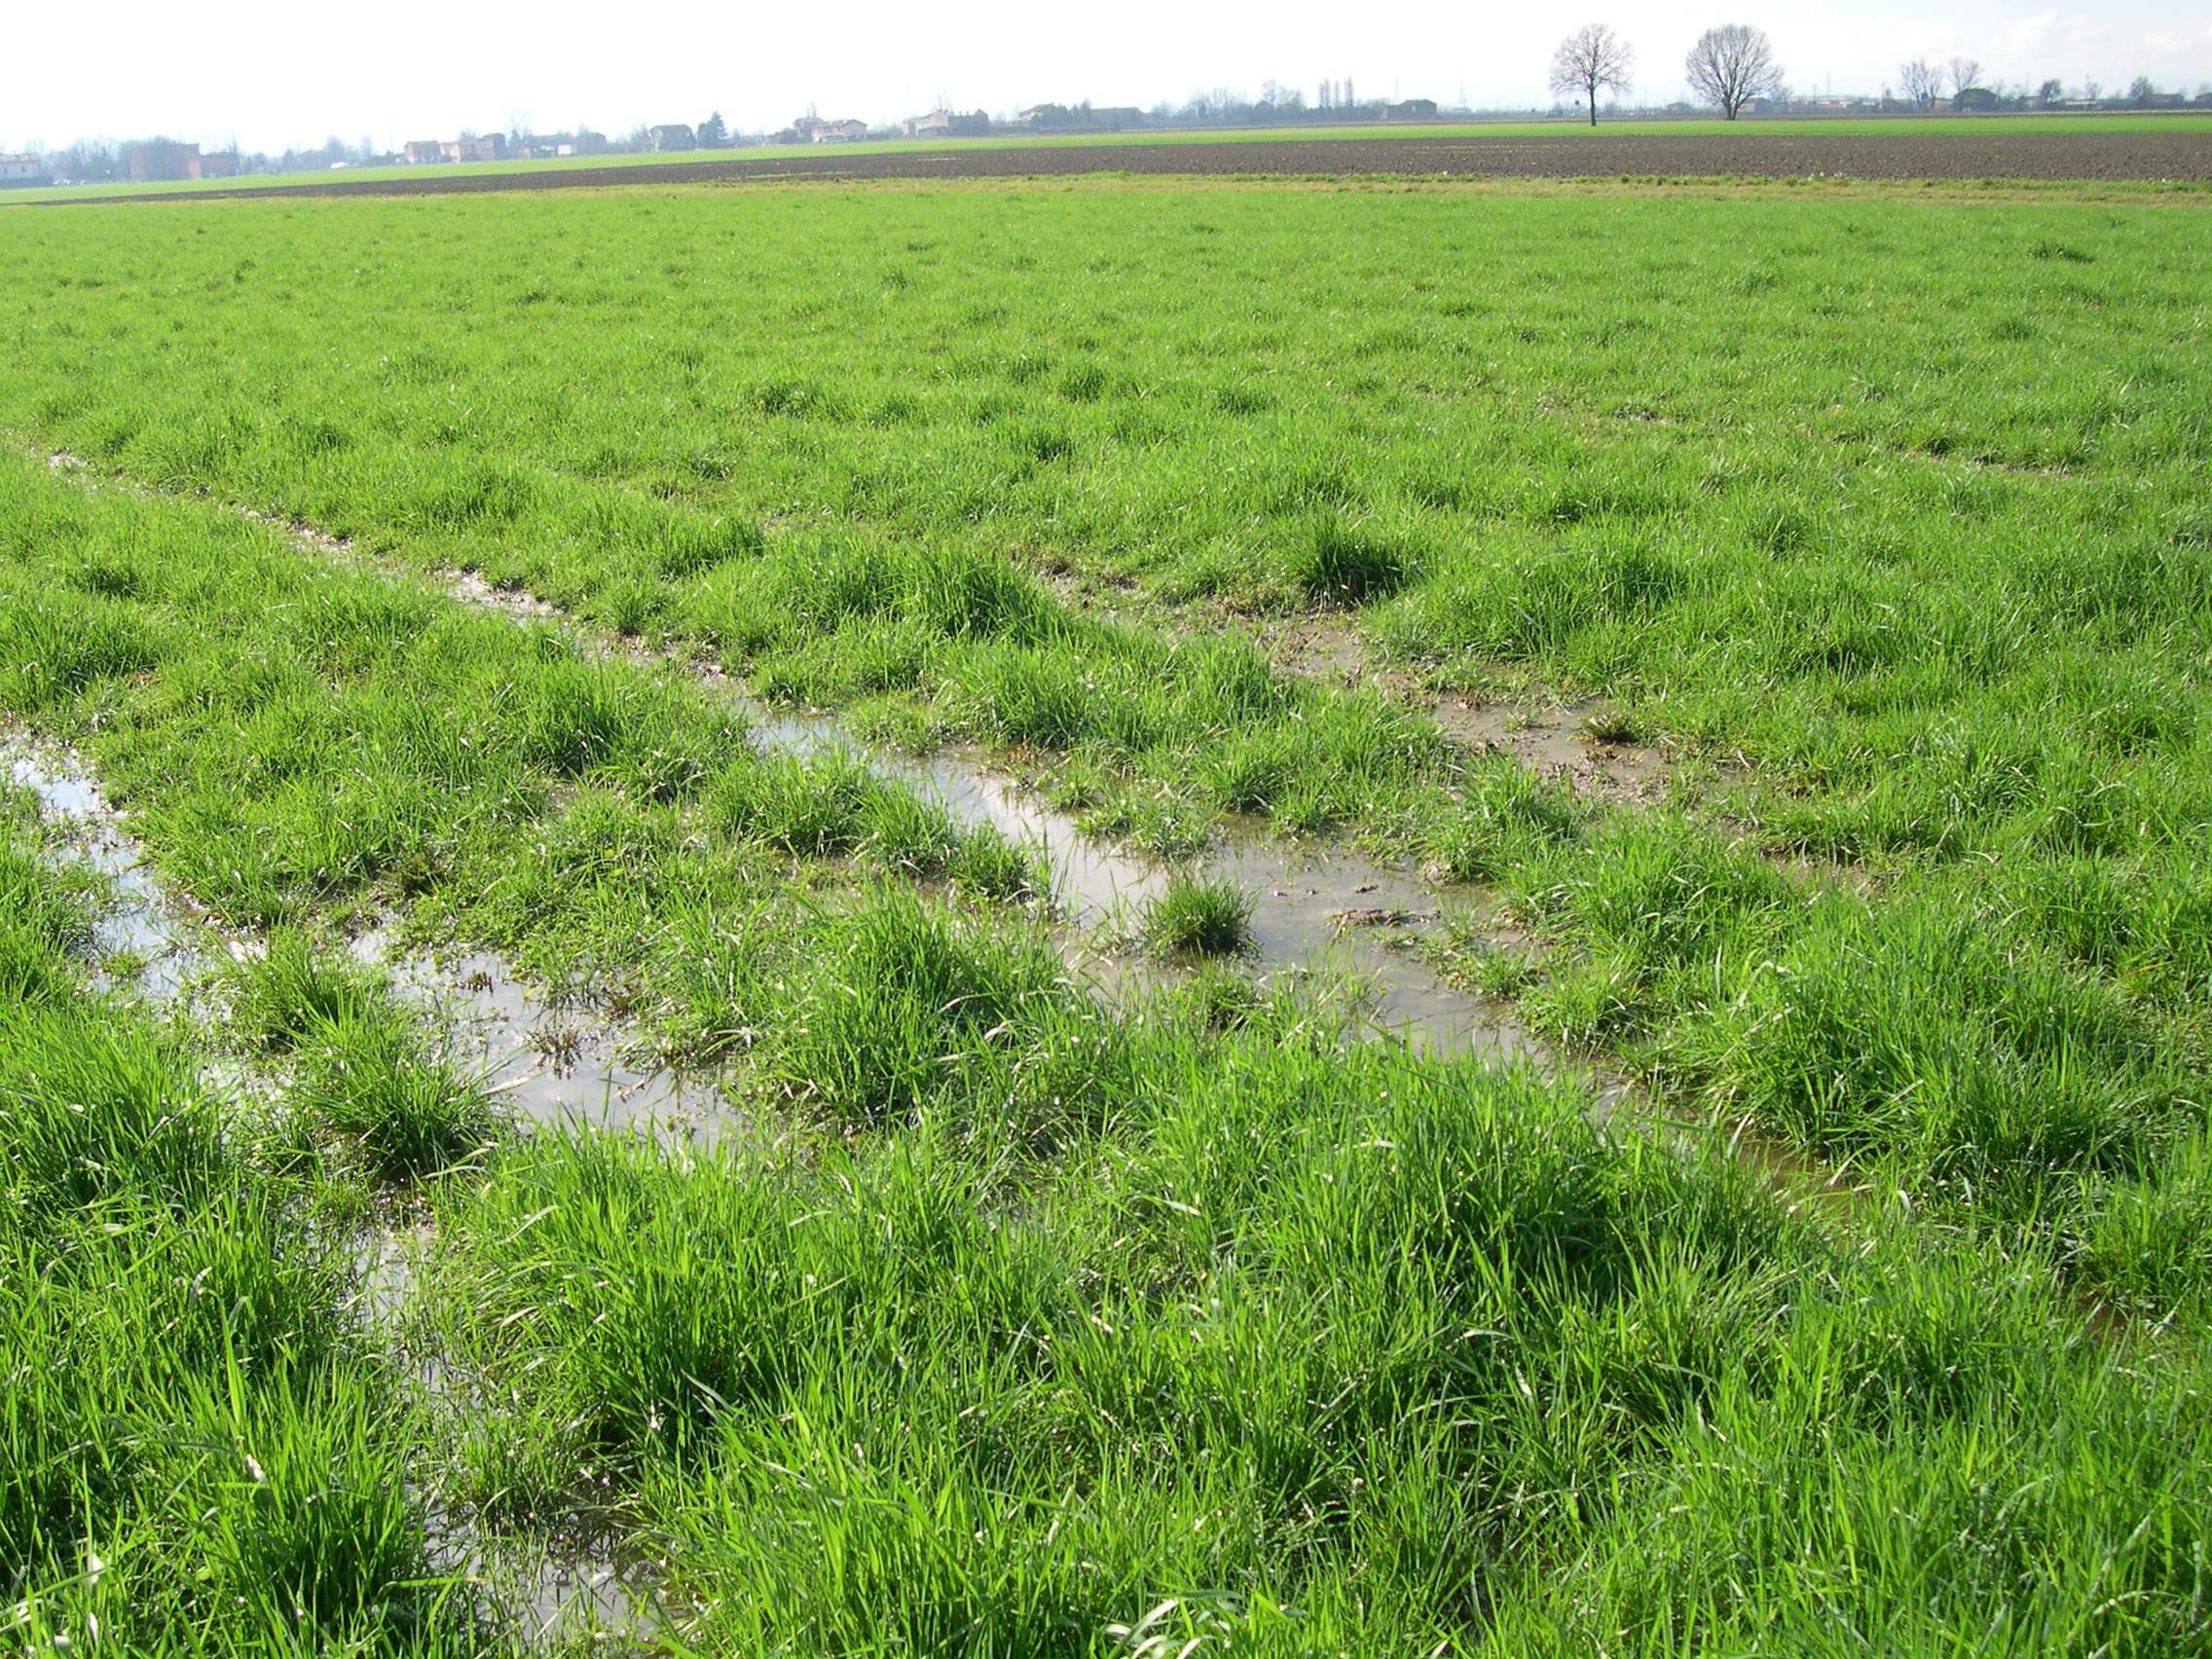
[1413,109]
[1083,118]
[1970,100]
[542,147]
[219,164]
[18,172]
[493,147]
[160,160]
[813,130]
[943,123]
[676,137]
[421,152]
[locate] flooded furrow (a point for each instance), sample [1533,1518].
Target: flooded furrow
[1313,909]
[546,1060]
[147,940]
[1330,910]
[141,934]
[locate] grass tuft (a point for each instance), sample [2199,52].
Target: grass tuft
[1200,917]
[1336,562]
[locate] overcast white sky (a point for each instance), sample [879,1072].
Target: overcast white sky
[269,73]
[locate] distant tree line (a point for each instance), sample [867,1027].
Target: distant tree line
[107,161]
[1732,67]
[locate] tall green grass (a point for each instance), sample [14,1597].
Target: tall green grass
[357,1066]
[1375,1356]
[301,744]
[196,1454]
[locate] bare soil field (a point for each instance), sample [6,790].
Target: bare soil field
[2181,157]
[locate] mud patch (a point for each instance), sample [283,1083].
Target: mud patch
[1569,743]
[1582,747]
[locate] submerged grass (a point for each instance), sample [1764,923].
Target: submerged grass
[357,1065]
[306,744]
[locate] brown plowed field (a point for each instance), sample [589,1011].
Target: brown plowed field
[2184,157]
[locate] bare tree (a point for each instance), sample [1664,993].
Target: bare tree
[1731,65]
[1922,81]
[1590,58]
[1965,72]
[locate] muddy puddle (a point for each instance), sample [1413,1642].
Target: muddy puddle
[548,1059]
[1802,1184]
[1315,911]
[141,936]
[585,1596]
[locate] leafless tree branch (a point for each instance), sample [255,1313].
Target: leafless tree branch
[1590,58]
[1731,65]
[1921,81]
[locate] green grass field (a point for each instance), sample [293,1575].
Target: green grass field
[1007,1319]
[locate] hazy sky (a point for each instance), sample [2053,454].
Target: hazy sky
[270,74]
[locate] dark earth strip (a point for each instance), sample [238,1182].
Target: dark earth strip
[2179,157]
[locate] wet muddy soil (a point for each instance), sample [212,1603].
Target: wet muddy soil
[1581,745]
[1557,741]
